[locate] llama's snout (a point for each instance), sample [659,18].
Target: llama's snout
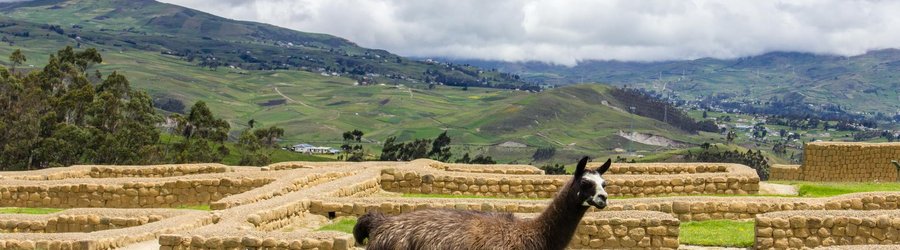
[598,201]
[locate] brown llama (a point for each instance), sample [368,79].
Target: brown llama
[458,229]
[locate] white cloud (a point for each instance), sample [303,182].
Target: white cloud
[565,32]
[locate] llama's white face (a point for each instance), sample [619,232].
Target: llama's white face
[598,198]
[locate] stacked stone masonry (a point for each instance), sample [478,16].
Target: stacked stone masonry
[283,195]
[89,229]
[844,162]
[785,172]
[810,229]
[685,180]
[483,168]
[172,192]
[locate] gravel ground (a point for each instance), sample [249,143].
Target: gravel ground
[777,189]
[146,245]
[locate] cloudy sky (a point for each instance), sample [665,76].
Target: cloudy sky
[565,32]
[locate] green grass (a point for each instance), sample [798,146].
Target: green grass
[453,196]
[343,225]
[195,207]
[826,189]
[26,210]
[699,195]
[726,233]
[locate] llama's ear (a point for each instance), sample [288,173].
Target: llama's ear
[602,169]
[579,170]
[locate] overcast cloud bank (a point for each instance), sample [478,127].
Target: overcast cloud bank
[565,32]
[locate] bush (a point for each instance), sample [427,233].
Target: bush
[555,169]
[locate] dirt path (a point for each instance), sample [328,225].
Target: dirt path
[146,245]
[548,138]
[649,139]
[288,98]
[777,189]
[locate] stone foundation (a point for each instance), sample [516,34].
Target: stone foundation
[844,162]
[707,179]
[785,173]
[810,229]
[130,194]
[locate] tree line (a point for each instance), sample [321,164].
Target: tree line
[754,159]
[437,149]
[649,105]
[60,115]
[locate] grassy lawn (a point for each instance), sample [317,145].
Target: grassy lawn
[26,210]
[728,233]
[698,195]
[464,196]
[195,207]
[343,225]
[826,189]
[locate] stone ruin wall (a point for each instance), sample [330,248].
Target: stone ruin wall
[281,195]
[637,180]
[811,229]
[843,162]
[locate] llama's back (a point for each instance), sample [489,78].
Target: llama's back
[450,229]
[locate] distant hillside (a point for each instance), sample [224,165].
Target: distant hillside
[864,83]
[149,43]
[211,41]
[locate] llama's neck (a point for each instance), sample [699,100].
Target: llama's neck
[558,222]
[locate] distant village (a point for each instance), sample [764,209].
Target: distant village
[311,149]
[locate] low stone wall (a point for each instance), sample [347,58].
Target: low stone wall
[482,168]
[105,171]
[165,193]
[626,230]
[325,240]
[809,229]
[72,223]
[661,168]
[734,179]
[784,173]
[157,171]
[682,208]
[843,162]
[714,208]
[267,193]
[281,216]
[74,237]
[846,161]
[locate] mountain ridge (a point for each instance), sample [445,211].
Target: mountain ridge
[866,83]
[211,41]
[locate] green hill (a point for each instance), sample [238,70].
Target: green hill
[865,83]
[135,38]
[204,39]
